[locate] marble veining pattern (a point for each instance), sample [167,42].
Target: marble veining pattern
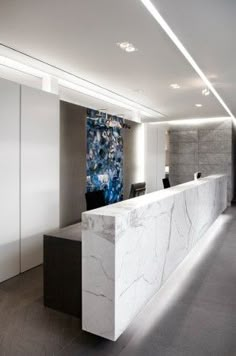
[129,249]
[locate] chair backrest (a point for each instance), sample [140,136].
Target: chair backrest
[166,183]
[95,199]
[137,189]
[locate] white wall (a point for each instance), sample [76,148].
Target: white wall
[154,156]
[133,159]
[9,179]
[39,172]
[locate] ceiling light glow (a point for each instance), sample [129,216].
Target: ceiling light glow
[123,45]
[160,20]
[130,49]
[198,105]
[175,86]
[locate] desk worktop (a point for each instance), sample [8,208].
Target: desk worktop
[131,204]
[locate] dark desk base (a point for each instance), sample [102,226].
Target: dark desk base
[62,275]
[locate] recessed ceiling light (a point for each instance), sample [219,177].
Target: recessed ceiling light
[206,92]
[123,45]
[127,47]
[198,105]
[130,49]
[175,86]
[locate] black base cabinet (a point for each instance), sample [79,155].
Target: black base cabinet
[62,274]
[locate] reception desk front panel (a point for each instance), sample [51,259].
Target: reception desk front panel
[129,249]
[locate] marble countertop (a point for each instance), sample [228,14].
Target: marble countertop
[128,205]
[131,248]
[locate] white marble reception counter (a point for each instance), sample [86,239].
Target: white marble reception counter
[129,249]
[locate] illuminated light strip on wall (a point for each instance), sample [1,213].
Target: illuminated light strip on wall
[160,20]
[87,88]
[191,121]
[10,63]
[124,104]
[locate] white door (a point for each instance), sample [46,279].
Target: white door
[39,172]
[9,179]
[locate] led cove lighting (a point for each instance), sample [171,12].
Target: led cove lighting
[10,63]
[192,121]
[160,20]
[124,104]
[88,88]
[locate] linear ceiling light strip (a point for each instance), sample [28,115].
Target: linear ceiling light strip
[101,96]
[157,16]
[89,89]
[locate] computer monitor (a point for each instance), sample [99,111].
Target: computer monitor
[166,183]
[137,189]
[95,199]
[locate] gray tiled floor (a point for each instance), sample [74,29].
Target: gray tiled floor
[193,314]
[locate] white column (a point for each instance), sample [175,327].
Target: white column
[9,179]
[39,172]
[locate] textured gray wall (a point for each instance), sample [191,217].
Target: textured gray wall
[130,165]
[204,147]
[72,162]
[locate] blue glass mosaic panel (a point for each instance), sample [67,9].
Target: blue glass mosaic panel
[105,155]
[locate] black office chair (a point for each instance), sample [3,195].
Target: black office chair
[166,183]
[95,199]
[137,189]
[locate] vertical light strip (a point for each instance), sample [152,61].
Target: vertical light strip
[160,20]
[139,156]
[20,109]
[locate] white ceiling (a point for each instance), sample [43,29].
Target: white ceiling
[80,36]
[207,29]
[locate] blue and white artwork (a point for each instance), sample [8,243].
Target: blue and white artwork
[105,155]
